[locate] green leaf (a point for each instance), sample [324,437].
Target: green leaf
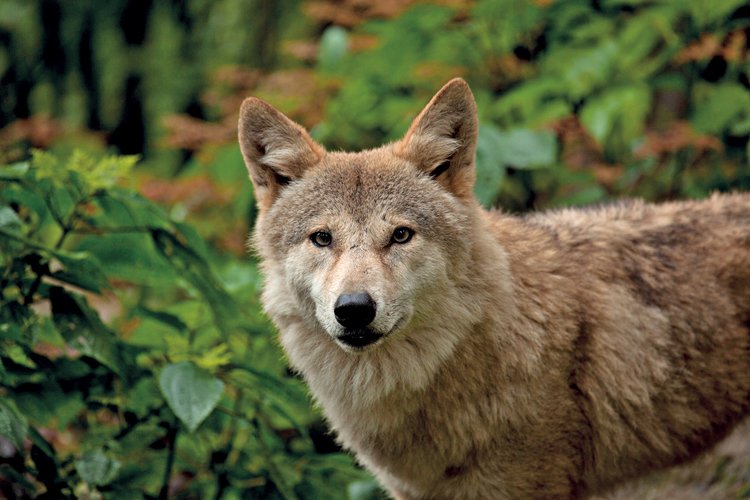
[13,425]
[720,107]
[582,70]
[82,329]
[121,208]
[85,171]
[333,46]
[9,218]
[131,257]
[81,269]
[365,490]
[616,118]
[14,171]
[46,404]
[183,252]
[27,197]
[41,443]
[490,169]
[523,148]
[191,392]
[61,200]
[97,468]
[716,11]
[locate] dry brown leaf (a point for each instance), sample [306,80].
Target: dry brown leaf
[196,193]
[190,133]
[350,13]
[676,136]
[40,131]
[578,148]
[733,47]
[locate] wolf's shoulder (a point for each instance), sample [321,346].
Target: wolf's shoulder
[627,222]
[639,213]
[613,210]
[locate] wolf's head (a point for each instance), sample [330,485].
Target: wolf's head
[364,246]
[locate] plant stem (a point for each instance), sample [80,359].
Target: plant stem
[172,443]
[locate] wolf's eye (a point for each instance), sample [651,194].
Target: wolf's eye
[402,235]
[321,238]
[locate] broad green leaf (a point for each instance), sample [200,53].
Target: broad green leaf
[741,127]
[583,70]
[48,404]
[644,42]
[60,199]
[499,32]
[81,269]
[183,254]
[14,171]
[365,490]
[82,329]
[719,106]
[535,103]
[715,11]
[9,218]
[616,118]
[333,46]
[96,468]
[122,209]
[490,169]
[165,318]
[191,392]
[27,197]
[16,353]
[522,148]
[13,424]
[131,257]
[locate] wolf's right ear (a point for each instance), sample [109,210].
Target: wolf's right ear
[276,150]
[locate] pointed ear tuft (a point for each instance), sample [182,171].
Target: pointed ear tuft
[442,140]
[276,150]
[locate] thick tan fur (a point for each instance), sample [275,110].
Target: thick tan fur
[546,356]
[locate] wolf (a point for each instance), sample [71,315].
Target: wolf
[463,353]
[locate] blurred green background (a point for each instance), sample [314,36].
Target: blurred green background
[133,354]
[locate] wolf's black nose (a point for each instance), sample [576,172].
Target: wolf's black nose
[354,310]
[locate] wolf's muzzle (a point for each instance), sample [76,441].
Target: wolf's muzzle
[354,310]
[359,338]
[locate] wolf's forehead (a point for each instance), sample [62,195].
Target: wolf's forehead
[363,191]
[365,195]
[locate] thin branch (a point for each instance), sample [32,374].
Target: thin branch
[172,443]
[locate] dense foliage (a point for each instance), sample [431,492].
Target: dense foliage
[133,353]
[132,363]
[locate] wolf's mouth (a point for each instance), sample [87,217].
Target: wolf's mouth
[359,338]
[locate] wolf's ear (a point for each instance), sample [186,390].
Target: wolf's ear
[276,150]
[442,139]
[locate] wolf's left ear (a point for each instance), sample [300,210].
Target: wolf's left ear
[276,150]
[442,139]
